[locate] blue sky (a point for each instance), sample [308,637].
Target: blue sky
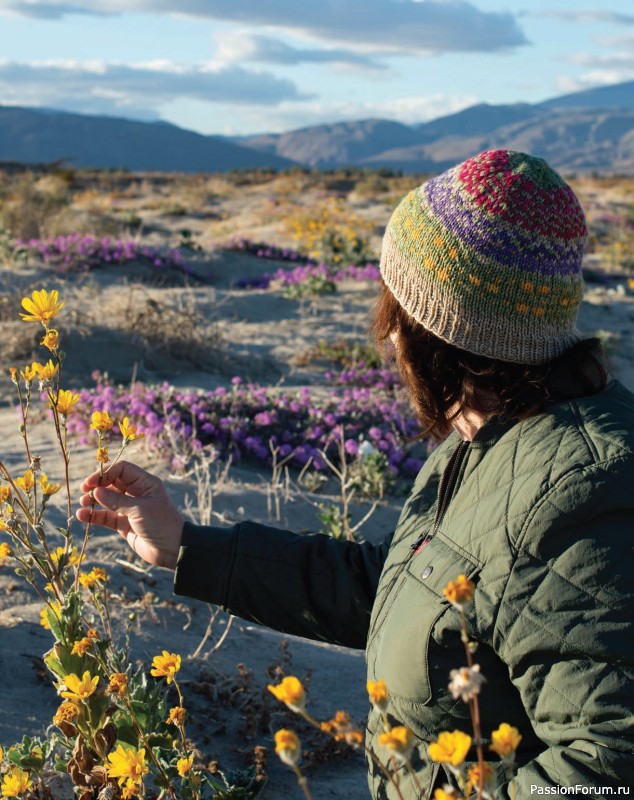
[245,66]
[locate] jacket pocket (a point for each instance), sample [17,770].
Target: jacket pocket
[400,651]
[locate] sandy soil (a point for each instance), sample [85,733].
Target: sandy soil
[119,322]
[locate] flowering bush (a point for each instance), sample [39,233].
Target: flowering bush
[114,736]
[396,742]
[245,421]
[331,234]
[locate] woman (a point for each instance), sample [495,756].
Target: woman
[530,495]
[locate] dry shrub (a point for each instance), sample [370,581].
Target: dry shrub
[171,330]
[28,204]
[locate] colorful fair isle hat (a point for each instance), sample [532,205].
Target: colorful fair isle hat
[487,256]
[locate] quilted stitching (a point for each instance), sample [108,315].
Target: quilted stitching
[527,509]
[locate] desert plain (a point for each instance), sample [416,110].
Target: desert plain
[200,325]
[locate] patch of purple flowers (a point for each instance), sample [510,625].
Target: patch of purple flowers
[241,421]
[304,272]
[77,252]
[264,250]
[361,375]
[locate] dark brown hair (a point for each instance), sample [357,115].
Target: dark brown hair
[442,379]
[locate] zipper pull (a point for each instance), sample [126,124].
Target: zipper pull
[414,547]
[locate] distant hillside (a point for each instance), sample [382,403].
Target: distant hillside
[618,95]
[41,136]
[591,130]
[327,146]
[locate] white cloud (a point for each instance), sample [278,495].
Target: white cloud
[592,79]
[626,39]
[613,61]
[408,110]
[243,46]
[587,15]
[138,90]
[411,25]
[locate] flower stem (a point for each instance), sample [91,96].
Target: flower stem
[474,707]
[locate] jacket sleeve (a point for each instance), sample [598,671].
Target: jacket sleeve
[565,631]
[307,585]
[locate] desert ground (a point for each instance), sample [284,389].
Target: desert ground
[195,330]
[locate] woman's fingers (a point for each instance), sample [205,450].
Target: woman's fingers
[126,476]
[105,518]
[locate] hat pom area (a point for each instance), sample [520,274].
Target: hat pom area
[487,256]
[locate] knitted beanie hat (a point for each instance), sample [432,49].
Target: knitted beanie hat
[487,256]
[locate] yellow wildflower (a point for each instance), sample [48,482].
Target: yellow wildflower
[80,688]
[56,608]
[81,647]
[72,556]
[51,340]
[46,372]
[101,421]
[16,782]
[400,740]
[131,791]
[177,716]
[91,633]
[165,666]
[451,748]
[290,692]
[90,579]
[27,481]
[102,455]
[29,372]
[473,777]
[287,747]
[128,431]
[183,765]
[5,494]
[5,552]
[459,592]
[446,793]
[342,729]
[65,713]
[378,694]
[66,401]
[505,741]
[118,683]
[127,765]
[47,487]
[41,306]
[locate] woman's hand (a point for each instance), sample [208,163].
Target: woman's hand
[136,505]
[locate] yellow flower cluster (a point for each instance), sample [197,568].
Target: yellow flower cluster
[165,666]
[128,766]
[459,592]
[291,692]
[66,713]
[41,306]
[16,782]
[176,716]
[118,683]
[5,552]
[287,747]
[78,689]
[90,579]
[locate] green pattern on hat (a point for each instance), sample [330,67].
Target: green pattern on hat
[487,256]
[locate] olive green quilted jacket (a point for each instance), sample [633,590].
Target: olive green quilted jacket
[540,515]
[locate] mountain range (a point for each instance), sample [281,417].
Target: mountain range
[588,131]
